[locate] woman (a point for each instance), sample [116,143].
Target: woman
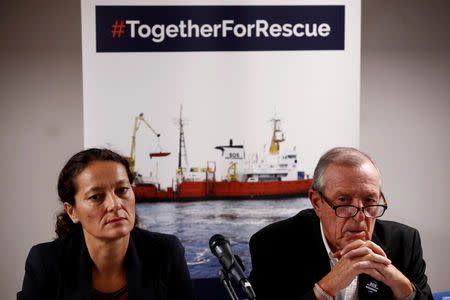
[100,253]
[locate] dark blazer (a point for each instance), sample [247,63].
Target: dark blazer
[289,257]
[62,269]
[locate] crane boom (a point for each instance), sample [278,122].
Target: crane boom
[137,124]
[141,117]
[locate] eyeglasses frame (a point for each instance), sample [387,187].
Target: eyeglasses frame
[335,207]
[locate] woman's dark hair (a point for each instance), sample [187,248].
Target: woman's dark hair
[67,187]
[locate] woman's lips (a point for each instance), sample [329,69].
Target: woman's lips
[116,220]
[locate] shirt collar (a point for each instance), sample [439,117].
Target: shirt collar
[333,260]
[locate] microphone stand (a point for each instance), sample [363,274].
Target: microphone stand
[223,275]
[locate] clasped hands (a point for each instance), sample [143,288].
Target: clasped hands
[365,257]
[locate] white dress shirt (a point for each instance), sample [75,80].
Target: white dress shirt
[351,291]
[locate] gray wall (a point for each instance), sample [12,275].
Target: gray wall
[41,122]
[405,117]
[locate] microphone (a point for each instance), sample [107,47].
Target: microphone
[221,248]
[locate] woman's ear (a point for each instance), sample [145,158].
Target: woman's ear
[70,210]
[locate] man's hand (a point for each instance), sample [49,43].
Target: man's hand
[354,259]
[386,273]
[365,257]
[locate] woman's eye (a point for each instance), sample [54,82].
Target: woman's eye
[123,190]
[94,197]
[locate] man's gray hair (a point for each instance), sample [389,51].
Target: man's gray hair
[343,156]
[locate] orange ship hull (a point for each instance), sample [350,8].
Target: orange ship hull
[210,190]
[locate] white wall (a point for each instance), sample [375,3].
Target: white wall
[405,118]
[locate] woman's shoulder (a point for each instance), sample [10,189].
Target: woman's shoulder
[44,265]
[51,251]
[45,253]
[154,239]
[158,254]
[156,246]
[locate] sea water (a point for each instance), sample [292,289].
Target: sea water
[195,222]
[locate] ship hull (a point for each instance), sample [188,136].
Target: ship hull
[202,190]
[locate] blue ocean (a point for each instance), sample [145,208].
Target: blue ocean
[195,222]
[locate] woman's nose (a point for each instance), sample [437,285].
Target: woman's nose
[113,202]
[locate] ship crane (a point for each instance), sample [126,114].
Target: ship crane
[277,137]
[137,123]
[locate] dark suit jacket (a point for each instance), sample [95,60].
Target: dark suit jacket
[62,269]
[289,257]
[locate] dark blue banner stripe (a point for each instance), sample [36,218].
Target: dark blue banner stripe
[219,28]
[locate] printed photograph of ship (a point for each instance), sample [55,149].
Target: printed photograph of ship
[272,174]
[253,126]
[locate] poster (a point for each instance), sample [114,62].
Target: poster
[230,71]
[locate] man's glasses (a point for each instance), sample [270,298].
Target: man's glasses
[349,211]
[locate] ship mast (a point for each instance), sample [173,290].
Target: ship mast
[277,137]
[182,153]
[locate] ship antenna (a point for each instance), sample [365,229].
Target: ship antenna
[182,153]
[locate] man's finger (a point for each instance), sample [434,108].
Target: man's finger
[353,245]
[377,249]
[377,263]
[358,244]
[374,273]
[366,253]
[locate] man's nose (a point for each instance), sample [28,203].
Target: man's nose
[360,216]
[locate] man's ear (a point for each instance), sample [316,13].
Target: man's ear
[70,210]
[316,201]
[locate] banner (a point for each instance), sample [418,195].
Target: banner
[221,97]
[219,28]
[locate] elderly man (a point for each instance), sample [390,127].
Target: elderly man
[340,250]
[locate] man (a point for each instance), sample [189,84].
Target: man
[340,250]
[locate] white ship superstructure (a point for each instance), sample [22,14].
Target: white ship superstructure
[276,165]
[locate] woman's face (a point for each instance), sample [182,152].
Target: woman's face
[104,201]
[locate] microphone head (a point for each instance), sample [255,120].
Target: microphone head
[217,240]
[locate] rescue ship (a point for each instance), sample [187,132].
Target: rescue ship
[271,175]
